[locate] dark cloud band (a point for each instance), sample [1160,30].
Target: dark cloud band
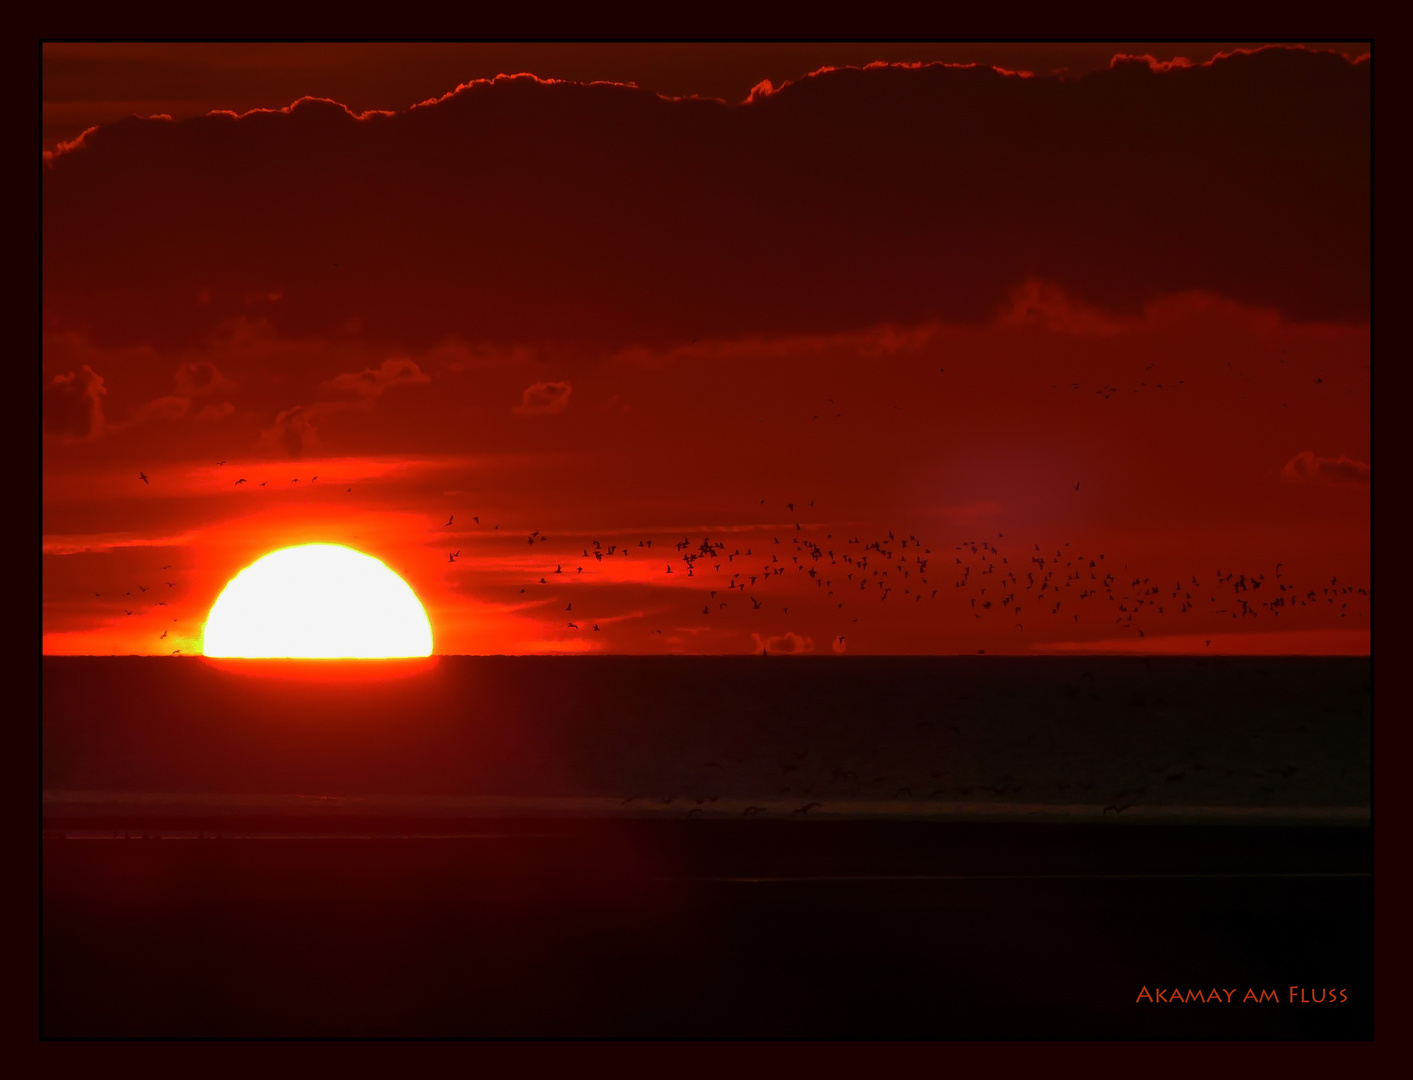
[518,210]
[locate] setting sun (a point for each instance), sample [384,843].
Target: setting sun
[889,511]
[317,601]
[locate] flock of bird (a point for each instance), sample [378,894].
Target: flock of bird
[1026,588]
[152,607]
[841,577]
[828,576]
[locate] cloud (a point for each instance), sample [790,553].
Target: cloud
[762,89]
[212,413]
[101,543]
[1307,468]
[73,405]
[624,219]
[168,407]
[292,433]
[875,343]
[1041,305]
[784,643]
[67,147]
[457,355]
[543,399]
[295,432]
[370,383]
[197,378]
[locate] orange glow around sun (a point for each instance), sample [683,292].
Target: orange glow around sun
[319,601]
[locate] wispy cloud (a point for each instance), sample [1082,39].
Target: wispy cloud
[94,543]
[544,399]
[1307,468]
[787,643]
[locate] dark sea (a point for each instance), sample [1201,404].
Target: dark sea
[1065,739]
[741,847]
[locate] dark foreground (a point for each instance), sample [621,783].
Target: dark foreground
[800,928]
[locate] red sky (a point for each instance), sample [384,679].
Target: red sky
[881,316]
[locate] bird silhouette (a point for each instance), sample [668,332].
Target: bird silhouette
[449,520]
[240,481]
[143,477]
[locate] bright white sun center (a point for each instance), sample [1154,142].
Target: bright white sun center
[317,601]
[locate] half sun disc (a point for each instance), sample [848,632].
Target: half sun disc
[319,601]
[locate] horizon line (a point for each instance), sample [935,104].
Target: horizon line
[579,655]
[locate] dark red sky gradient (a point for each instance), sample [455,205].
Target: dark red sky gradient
[862,307]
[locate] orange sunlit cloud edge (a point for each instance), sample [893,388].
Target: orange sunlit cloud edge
[763,89]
